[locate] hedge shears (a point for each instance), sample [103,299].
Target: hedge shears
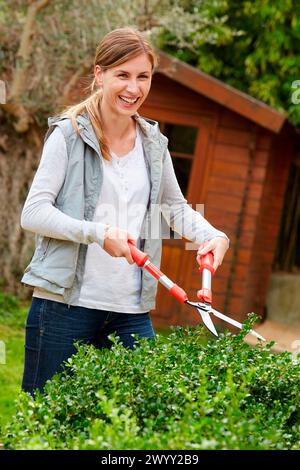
[204,294]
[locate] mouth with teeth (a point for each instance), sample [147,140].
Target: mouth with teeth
[128,102]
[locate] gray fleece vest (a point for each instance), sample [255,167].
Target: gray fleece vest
[58,265]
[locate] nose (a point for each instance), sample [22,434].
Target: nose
[132,86]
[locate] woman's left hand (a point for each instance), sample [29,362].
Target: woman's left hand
[218,246]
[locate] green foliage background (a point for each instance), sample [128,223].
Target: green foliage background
[251,45]
[257,50]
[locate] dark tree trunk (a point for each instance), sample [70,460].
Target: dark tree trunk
[19,158]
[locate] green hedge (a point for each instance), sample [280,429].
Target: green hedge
[179,392]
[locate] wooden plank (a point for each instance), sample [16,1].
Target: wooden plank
[233,137]
[224,269]
[264,140]
[252,206]
[218,216]
[241,270]
[231,120]
[167,93]
[230,170]
[259,174]
[244,256]
[235,307]
[225,201]
[246,239]
[230,153]
[270,227]
[226,185]
[249,223]
[171,266]
[261,157]
[255,190]
[218,301]
[219,285]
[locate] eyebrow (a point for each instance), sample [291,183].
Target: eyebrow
[124,71]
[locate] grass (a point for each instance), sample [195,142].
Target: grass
[12,331]
[11,371]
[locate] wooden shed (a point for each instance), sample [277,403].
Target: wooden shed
[231,153]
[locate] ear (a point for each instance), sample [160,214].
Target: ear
[98,75]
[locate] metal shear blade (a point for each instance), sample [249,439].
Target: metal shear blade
[203,309]
[207,321]
[235,323]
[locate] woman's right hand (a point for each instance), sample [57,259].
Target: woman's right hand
[115,243]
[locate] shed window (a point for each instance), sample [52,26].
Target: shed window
[182,139]
[182,146]
[287,256]
[182,167]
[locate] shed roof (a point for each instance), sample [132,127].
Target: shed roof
[220,92]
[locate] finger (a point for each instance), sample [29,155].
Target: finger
[200,247]
[128,256]
[205,249]
[198,259]
[131,238]
[217,262]
[215,266]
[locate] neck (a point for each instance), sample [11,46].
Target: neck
[115,126]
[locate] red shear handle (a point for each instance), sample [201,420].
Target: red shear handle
[138,256]
[142,261]
[207,261]
[179,293]
[205,295]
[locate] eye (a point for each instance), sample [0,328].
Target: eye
[125,75]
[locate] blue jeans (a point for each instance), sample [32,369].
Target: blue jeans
[53,327]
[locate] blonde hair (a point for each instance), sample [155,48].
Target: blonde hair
[115,48]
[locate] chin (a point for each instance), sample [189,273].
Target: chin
[127,112]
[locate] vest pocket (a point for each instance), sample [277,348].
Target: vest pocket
[58,262]
[44,248]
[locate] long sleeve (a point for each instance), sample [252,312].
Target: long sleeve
[39,214]
[179,215]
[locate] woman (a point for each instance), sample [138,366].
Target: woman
[103,175]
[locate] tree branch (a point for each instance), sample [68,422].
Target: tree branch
[24,51]
[81,71]
[13,105]
[24,119]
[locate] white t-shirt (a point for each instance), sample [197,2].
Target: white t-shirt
[112,283]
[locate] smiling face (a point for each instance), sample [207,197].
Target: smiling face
[126,86]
